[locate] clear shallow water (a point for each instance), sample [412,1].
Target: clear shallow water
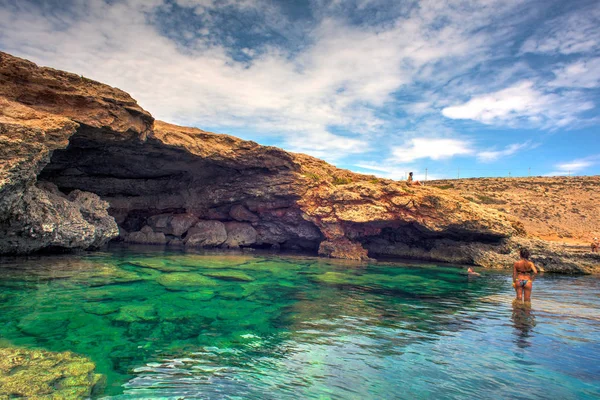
[172,325]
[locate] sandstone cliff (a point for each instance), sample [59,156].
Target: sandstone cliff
[78,156]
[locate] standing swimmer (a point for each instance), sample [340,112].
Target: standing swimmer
[523,274]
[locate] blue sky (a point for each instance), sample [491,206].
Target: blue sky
[454,87]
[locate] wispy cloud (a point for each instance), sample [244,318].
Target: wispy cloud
[342,79]
[522,103]
[576,32]
[338,76]
[580,74]
[433,148]
[574,167]
[495,155]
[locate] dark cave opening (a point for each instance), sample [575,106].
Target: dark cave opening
[145,179]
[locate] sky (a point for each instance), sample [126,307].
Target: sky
[443,88]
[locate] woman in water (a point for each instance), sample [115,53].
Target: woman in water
[523,273]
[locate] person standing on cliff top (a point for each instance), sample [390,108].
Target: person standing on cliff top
[595,245]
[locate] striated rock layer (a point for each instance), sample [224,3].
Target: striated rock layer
[71,147]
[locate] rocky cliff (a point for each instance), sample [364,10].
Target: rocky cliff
[82,163]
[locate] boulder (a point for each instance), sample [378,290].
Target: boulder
[45,219]
[172,224]
[218,214]
[239,234]
[206,234]
[160,222]
[146,236]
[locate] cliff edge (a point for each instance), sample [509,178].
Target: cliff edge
[82,164]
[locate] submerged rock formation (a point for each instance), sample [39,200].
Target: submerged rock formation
[178,186]
[38,374]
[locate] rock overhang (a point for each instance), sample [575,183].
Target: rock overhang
[97,139]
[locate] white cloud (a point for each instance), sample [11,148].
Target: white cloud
[433,148]
[574,167]
[338,77]
[521,102]
[580,74]
[573,33]
[326,145]
[494,155]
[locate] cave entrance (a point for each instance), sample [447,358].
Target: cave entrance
[145,179]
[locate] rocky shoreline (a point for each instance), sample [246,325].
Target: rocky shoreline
[83,164]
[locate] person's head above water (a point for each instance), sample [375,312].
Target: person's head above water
[524,253]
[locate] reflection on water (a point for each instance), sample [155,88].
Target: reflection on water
[242,326]
[523,320]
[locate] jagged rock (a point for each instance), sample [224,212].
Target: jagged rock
[82,135]
[239,234]
[242,214]
[44,219]
[206,234]
[35,121]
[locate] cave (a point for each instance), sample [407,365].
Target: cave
[158,193]
[416,242]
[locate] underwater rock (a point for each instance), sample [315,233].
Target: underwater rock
[39,324]
[38,374]
[136,313]
[100,308]
[156,264]
[185,281]
[230,275]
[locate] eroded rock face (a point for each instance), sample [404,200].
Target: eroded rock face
[171,184]
[47,219]
[40,110]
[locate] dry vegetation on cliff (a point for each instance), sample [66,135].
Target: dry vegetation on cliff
[559,209]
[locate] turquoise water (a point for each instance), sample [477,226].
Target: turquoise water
[235,326]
